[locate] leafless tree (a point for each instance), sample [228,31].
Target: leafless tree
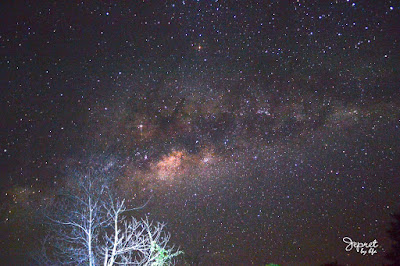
[135,242]
[92,228]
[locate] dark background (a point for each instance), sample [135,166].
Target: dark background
[262,131]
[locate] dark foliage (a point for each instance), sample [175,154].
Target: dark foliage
[394,233]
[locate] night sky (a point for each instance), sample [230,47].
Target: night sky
[261,131]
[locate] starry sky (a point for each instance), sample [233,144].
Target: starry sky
[261,131]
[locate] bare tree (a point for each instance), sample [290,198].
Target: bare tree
[135,242]
[92,228]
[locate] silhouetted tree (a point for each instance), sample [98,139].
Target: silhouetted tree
[335,263]
[394,233]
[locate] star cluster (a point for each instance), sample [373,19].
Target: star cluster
[261,131]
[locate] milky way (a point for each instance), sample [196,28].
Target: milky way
[259,131]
